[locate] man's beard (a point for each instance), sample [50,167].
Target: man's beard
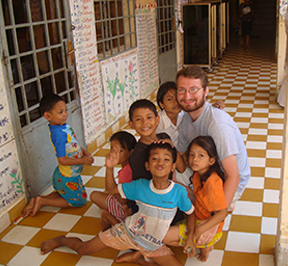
[196,106]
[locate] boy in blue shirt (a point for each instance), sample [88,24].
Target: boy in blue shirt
[158,200]
[70,192]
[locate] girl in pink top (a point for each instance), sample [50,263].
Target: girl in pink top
[115,209]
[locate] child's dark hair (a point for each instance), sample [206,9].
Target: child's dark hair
[48,101]
[161,145]
[164,88]
[126,139]
[208,144]
[143,103]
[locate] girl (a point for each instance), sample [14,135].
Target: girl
[210,204]
[115,209]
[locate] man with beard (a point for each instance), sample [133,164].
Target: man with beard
[203,119]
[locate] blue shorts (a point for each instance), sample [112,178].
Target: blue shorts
[70,188]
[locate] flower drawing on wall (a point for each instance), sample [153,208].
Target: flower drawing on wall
[17,180]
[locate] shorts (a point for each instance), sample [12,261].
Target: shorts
[115,208]
[183,235]
[118,238]
[70,188]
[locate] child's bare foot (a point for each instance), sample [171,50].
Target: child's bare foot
[37,205]
[51,244]
[134,257]
[204,253]
[28,209]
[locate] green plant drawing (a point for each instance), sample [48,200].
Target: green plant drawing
[17,180]
[113,87]
[122,88]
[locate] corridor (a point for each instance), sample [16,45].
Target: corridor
[246,82]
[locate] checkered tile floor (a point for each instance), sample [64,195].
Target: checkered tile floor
[246,82]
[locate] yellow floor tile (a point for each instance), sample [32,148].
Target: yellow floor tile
[39,220]
[270,210]
[256,153]
[43,235]
[272,183]
[222,242]
[267,244]
[76,210]
[273,162]
[61,258]
[8,251]
[239,259]
[258,171]
[258,125]
[276,120]
[97,182]
[242,223]
[90,170]
[274,146]
[257,138]
[262,115]
[275,132]
[250,194]
[87,225]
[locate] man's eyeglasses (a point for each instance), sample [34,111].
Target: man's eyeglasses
[192,90]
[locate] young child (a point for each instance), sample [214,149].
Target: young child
[144,119]
[122,145]
[158,200]
[210,204]
[171,113]
[70,192]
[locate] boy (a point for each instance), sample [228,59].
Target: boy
[144,119]
[158,200]
[70,192]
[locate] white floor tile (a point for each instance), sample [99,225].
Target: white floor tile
[243,125]
[232,101]
[233,94]
[243,242]
[49,190]
[277,139]
[275,115]
[247,98]
[93,211]
[101,172]
[263,120]
[272,172]
[98,161]
[20,234]
[275,126]
[215,259]
[257,162]
[258,145]
[106,146]
[271,196]
[28,256]
[89,190]
[62,222]
[266,260]
[245,105]
[257,131]
[260,110]
[90,260]
[50,209]
[248,208]
[274,154]
[86,178]
[243,114]
[256,183]
[269,226]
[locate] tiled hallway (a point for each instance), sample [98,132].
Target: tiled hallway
[246,82]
